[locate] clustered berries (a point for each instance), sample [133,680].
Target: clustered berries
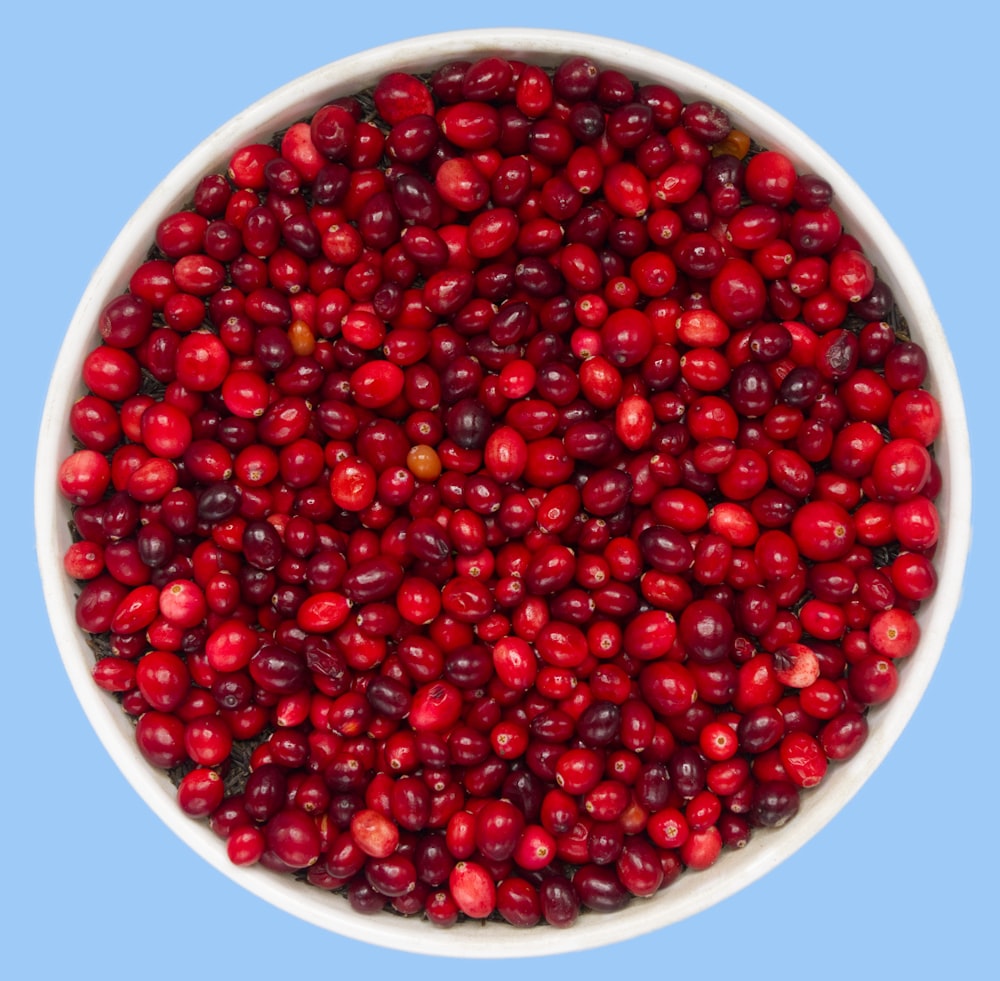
[500,492]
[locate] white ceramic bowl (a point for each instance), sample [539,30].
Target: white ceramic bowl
[694,892]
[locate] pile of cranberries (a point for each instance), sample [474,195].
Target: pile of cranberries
[503,490]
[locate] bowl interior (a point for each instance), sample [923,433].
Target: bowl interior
[693,892]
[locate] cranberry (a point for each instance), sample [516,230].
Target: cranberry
[770,177]
[775,802]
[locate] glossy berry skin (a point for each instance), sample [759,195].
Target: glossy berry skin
[500,492]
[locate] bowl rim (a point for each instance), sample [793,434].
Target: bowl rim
[694,892]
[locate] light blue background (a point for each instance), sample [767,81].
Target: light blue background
[100,101]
